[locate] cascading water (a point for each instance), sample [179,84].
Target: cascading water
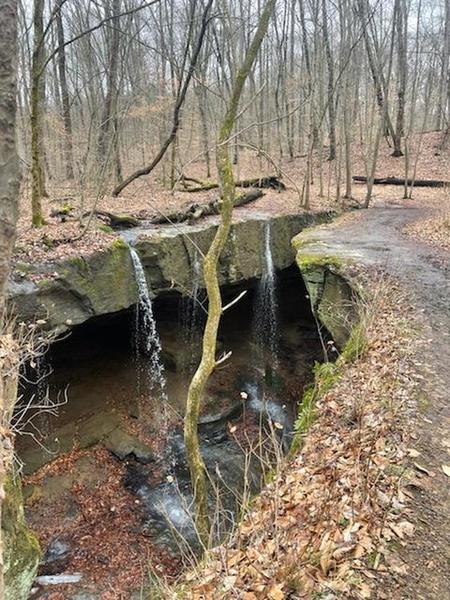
[146,336]
[190,318]
[265,319]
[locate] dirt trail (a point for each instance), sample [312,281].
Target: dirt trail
[376,238]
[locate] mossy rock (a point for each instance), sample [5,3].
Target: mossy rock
[333,299]
[102,282]
[21,547]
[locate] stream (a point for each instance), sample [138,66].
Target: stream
[111,461]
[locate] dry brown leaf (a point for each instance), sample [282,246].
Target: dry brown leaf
[276,592]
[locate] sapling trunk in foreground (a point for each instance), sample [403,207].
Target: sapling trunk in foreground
[208,360]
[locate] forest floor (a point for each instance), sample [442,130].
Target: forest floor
[148,197]
[424,274]
[364,510]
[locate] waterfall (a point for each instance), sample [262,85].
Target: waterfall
[190,318]
[147,337]
[265,320]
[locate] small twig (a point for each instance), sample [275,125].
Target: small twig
[230,304]
[223,358]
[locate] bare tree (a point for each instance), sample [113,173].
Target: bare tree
[65,98]
[9,191]
[37,99]
[179,101]
[215,309]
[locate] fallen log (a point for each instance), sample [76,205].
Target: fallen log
[433,183]
[115,221]
[270,182]
[196,211]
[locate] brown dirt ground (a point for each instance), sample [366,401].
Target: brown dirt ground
[147,198]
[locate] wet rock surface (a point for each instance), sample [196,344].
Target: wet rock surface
[56,557]
[114,424]
[168,507]
[70,292]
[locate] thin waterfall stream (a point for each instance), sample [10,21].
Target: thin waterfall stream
[146,334]
[265,319]
[141,461]
[190,317]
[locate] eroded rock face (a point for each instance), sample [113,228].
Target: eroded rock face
[333,300]
[72,291]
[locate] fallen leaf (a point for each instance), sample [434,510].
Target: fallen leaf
[413,453]
[446,469]
[276,592]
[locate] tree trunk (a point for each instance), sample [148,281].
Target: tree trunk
[9,192]
[432,183]
[108,120]
[201,99]
[401,35]
[330,84]
[376,73]
[65,100]
[36,106]
[441,115]
[208,361]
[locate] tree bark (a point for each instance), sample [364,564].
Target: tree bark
[376,73]
[9,192]
[266,182]
[65,99]
[208,361]
[196,211]
[109,117]
[36,106]
[444,80]
[330,85]
[400,26]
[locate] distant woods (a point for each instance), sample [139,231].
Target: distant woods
[114,91]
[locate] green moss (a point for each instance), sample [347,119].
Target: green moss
[66,209]
[44,283]
[119,244]
[325,376]
[21,550]
[78,262]
[105,228]
[24,268]
[332,296]
[356,344]
[310,262]
[48,243]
